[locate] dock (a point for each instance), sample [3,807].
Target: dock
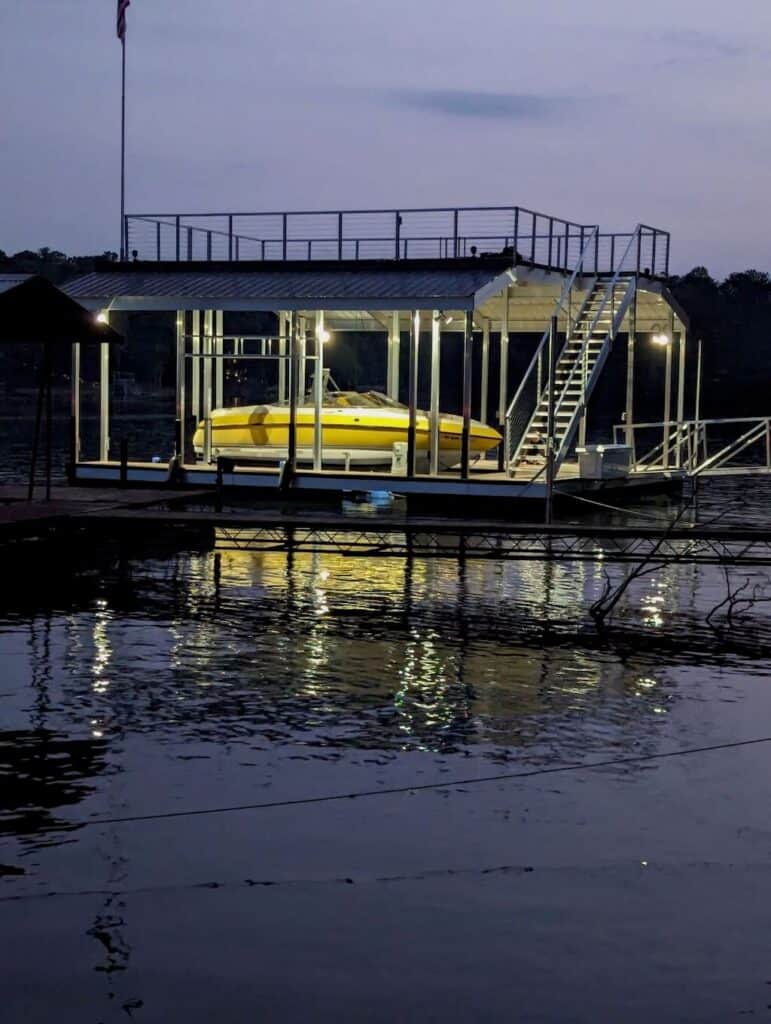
[90,520]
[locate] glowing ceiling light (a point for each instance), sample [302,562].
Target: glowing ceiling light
[102,318]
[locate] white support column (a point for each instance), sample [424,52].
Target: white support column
[667,403]
[392,373]
[283,393]
[104,401]
[504,370]
[412,394]
[219,362]
[195,362]
[207,345]
[318,391]
[680,396]
[484,383]
[179,440]
[302,383]
[630,345]
[436,339]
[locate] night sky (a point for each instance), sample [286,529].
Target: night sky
[604,111]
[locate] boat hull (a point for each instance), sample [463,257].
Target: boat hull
[350,437]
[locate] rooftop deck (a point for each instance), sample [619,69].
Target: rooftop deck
[445,233]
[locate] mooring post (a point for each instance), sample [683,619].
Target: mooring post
[219,484]
[550,422]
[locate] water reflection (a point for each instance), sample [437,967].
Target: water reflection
[335,652]
[390,654]
[42,770]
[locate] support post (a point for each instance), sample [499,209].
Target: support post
[41,388]
[195,396]
[436,337]
[48,361]
[318,392]
[208,330]
[503,384]
[104,401]
[697,399]
[282,363]
[219,362]
[179,426]
[291,456]
[667,404]
[302,367]
[412,396]
[503,377]
[392,370]
[484,383]
[630,345]
[75,412]
[552,355]
[680,397]
[466,429]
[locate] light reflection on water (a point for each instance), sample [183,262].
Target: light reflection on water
[336,652]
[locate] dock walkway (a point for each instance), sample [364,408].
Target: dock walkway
[90,517]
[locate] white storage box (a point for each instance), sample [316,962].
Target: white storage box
[603,461]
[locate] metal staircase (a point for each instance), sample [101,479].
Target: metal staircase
[602,305]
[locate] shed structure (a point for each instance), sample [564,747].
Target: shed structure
[407,277]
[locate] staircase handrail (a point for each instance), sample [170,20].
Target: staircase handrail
[558,308]
[609,290]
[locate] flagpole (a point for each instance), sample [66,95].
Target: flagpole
[123,253]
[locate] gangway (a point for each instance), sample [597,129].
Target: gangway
[739,446]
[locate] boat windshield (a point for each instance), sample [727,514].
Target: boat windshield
[356,400]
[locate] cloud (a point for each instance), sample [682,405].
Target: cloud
[698,47]
[474,104]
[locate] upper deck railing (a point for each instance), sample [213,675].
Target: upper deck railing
[442,233]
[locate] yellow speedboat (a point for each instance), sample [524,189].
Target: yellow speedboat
[358,429]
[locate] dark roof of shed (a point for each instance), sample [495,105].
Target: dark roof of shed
[34,310]
[347,281]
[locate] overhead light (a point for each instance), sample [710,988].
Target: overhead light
[323,335]
[102,318]
[659,337]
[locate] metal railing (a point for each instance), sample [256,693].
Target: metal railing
[439,233]
[533,385]
[708,447]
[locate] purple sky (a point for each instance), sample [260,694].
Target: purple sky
[603,111]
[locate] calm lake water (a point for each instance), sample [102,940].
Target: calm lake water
[207,682]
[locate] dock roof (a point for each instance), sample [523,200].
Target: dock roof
[417,284]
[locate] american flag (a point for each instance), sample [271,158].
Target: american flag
[122,5]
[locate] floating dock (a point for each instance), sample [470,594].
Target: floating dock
[479,279]
[81,521]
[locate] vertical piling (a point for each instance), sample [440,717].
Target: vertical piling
[466,429]
[412,398]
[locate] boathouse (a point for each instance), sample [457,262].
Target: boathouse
[407,278]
